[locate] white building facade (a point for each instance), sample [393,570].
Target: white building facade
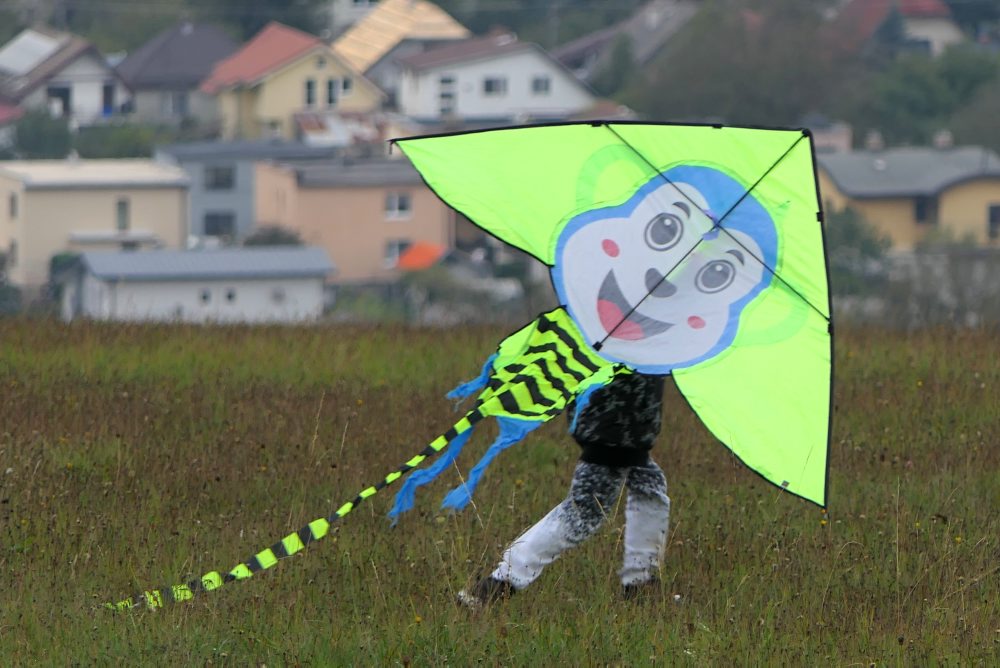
[239,285]
[495,78]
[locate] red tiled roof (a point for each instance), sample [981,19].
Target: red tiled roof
[274,46]
[9,113]
[924,9]
[861,18]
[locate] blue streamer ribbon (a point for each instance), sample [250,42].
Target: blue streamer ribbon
[408,492]
[512,431]
[479,382]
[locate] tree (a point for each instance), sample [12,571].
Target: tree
[273,235]
[976,122]
[972,14]
[38,135]
[619,69]
[856,254]
[116,141]
[918,95]
[740,64]
[247,18]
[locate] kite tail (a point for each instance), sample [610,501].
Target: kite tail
[295,542]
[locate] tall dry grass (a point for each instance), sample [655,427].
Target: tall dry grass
[133,457]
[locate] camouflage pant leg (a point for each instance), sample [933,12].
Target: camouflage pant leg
[593,492]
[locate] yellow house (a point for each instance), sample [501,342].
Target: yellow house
[58,206]
[364,213]
[915,194]
[280,73]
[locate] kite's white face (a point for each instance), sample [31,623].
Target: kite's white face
[653,281]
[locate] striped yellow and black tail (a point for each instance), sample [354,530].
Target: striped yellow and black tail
[295,542]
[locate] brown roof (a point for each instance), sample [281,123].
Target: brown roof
[273,47]
[388,24]
[468,49]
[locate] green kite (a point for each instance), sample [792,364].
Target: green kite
[690,250]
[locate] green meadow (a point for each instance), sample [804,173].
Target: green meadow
[136,457]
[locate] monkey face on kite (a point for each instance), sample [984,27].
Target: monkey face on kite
[659,281]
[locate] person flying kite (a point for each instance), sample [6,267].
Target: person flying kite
[694,251]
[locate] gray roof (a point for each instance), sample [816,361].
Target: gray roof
[179,57]
[264,149]
[220,264]
[907,172]
[357,173]
[648,29]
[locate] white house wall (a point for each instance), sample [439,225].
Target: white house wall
[255,301]
[419,92]
[85,77]
[153,106]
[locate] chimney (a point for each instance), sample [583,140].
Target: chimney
[943,139]
[874,141]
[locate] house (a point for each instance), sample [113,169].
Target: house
[165,72]
[490,79]
[233,285]
[927,25]
[914,194]
[392,30]
[223,181]
[365,213]
[645,32]
[280,72]
[45,69]
[50,207]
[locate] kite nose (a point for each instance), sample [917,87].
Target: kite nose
[658,285]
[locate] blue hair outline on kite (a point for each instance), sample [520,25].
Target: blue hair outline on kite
[746,227]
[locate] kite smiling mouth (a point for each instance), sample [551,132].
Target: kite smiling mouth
[612,308]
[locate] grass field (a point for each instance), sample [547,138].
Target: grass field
[134,457]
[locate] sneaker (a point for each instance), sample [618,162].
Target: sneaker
[642,590]
[484,593]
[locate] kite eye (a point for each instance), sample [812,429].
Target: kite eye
[715,276]
[664,231]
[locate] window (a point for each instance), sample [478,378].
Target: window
[12,254]
[446,94]
[278,295]
[220,224]
[332,86]
[12,205]
[320,62]
[398,205]
[220,177]
[393,249]
[231,295]
[179,104]
[925,210]
[122,214]
[310,92]
[205,295]
[993,226]
[541,85]
[346,86]
[495,86]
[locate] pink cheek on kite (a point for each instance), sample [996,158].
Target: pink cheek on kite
[694,322]
[610,247]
